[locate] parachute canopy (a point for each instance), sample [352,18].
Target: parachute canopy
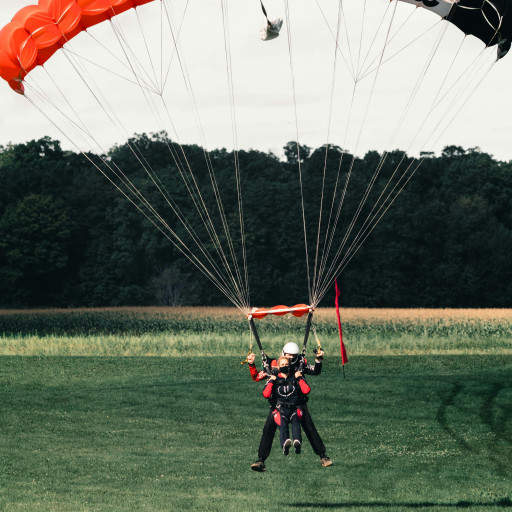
[489,20]
[36,32]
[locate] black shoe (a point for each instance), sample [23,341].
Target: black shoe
[297,445]
[259,465]
[286,446]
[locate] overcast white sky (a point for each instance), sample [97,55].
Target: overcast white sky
[262,87]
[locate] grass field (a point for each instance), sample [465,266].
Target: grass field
[415,427]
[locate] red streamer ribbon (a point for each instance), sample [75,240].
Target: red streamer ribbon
[344,357]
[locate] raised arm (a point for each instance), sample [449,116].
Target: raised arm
[315,369]
[256,375]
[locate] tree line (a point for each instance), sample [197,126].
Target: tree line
[68,238]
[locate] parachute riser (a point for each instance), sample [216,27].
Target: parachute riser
[306,336]
[264,357]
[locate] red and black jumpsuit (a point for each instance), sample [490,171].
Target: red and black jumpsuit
[306,422]
[287,391]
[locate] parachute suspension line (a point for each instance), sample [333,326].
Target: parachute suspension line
[341,267]
[143,35]
[134,61]
[370,186]
[419,82]
[361,32]
[238,285]
[333,82]
[394,193]
[168,199]
[426,116]
[368,220]
[419,163]
[369,217]
[168,232]
[110,116]
[113,55]
[162,86]
[376,174]
[229,69]
[80,125]
[372,91]
[290,55]
[347,260]
[434,104]
[396,130]
[357,213]
[127,183]
[196,196]
[121,175]
[462,81]
[331,232]
[498,15]
[340,50]
[146,86]
[365,71]
[169,18]
[396,170]
[349,46]
[370,47]
[468,96]
[374,83]
[241,289]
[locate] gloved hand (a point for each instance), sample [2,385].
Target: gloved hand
[319,354]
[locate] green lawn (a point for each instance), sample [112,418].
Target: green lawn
[179,433]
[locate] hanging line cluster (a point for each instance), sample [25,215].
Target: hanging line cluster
[150,59]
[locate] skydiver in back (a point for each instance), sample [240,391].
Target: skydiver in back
[292,353]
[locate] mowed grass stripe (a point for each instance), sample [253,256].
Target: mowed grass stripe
[183,344]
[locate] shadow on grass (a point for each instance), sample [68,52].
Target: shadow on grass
[503,503]
[443,422]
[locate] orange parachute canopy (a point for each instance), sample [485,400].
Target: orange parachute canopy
[297,310]
[36,32]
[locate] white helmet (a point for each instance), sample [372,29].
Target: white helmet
[291,348]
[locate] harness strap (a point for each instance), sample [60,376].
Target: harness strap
[264,357]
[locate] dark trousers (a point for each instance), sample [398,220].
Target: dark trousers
[289,415]
[308,426]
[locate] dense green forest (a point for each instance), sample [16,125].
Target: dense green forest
[68,238]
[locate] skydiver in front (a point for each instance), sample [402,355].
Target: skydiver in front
[287,389]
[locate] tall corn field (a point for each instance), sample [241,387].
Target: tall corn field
[225,331]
